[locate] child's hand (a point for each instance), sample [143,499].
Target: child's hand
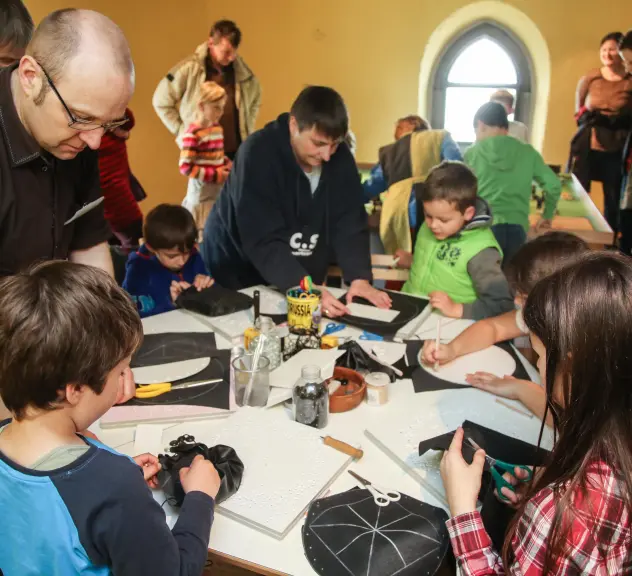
[150,465]
[222,174]
[177,288]
[543,225]
[506,387]
[515,479]
[405,259]
[202,281]
[430,354]
[442,302]
[201,476]
[462,481]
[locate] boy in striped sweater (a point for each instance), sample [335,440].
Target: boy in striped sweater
[202,154]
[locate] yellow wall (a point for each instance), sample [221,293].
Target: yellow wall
[369,50]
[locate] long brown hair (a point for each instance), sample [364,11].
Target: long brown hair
[583,316]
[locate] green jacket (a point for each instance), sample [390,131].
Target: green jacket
[465,266]
[506,169]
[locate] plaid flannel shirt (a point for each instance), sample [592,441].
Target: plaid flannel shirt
[599,542]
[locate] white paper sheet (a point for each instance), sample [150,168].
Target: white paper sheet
[493,360]
[372,312]
[286,375]
[171,372]
[148,439]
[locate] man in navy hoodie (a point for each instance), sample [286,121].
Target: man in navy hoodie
[293,201]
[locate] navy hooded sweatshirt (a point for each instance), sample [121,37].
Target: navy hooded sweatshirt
[267,228]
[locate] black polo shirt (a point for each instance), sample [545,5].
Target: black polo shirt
[48,207]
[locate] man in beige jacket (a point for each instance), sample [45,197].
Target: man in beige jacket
[177,94]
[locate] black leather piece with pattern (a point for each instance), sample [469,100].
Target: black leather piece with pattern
[348,534]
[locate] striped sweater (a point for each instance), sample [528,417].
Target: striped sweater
[202,153]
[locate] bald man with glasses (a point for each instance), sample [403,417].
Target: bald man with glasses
[72,86]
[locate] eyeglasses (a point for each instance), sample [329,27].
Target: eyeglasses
[78,123]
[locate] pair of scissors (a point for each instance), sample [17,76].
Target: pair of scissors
[495,465]
[332,328]
[153,390]
[381,496]
[370,336]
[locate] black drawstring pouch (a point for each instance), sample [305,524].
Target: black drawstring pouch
[228,465]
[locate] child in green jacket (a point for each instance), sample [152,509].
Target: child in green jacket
[506,169]
[456,262]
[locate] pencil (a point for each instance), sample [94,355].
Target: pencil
[395,262]
[437,343]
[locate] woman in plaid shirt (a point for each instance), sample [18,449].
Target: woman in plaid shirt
[574,517]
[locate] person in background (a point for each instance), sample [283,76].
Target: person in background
[506,169]
[178,93]
[167,263]
[536,260]
[604,118]
[456,263]
[416,150]
[202,157]
[396,156]
[516,129]
[293,202]
[16,29]
[625,216]
[71,87]
[120,189]
[575,516]
[71,505]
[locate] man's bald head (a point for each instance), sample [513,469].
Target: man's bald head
[65,36]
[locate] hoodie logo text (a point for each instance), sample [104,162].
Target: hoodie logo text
[301,248]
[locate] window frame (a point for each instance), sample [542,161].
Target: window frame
[516,51]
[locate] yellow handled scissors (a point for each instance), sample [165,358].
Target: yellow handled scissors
[153,390]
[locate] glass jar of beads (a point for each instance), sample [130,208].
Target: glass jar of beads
[310,398]
[272,349]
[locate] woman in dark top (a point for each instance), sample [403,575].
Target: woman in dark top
[625,50]
[604,117]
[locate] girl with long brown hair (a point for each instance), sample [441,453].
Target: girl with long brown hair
[574,516]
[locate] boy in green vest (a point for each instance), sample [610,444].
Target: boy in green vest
[456,262]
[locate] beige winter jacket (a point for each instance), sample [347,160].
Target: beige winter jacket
[175,99]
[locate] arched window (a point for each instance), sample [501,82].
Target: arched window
[484,59]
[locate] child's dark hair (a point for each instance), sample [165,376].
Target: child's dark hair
[168,226]
[16,24]
[583,316]
[492,114]
[541,257]
[61,323]
[450,181]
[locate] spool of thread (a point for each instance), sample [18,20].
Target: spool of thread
[376,388]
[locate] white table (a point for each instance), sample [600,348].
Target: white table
[252,549]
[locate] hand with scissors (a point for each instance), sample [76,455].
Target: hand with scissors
[381,496]
[153,390]
[508,478]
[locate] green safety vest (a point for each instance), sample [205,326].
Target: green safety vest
[442,264]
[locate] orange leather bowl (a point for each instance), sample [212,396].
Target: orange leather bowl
[347,397]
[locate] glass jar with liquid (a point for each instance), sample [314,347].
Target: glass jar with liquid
[310,398]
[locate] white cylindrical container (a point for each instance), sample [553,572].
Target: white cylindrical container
[377,388]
